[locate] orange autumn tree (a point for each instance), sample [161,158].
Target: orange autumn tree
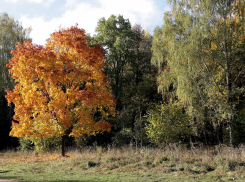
[59,88]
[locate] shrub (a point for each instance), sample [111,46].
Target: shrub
[168,124]
[39,144]
[25,145]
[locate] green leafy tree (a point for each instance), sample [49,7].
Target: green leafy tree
[11,32]
[131,73]
[115,35]
[199,54]
[168,124]
[140,90]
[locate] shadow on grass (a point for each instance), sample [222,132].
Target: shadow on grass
[75,181]
[12,178]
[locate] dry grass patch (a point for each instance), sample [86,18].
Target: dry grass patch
[213,163]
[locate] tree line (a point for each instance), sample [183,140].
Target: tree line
[182,85]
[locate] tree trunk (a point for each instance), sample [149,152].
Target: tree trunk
[230,133]
[227,49]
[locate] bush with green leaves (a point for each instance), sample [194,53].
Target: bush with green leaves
[39,144]
[25,145]
[168,124]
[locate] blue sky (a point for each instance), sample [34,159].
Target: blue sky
[46,16]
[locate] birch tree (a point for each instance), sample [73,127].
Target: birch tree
[200,51]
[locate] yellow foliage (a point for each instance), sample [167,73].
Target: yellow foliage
[59,86]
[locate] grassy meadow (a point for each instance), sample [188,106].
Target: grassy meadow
[218,163]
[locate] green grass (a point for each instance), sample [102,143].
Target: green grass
[126,164]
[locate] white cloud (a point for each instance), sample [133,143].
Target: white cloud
[70,3]
[47,2]
[44,2]
[144,12]
[36,1]
[12,1]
